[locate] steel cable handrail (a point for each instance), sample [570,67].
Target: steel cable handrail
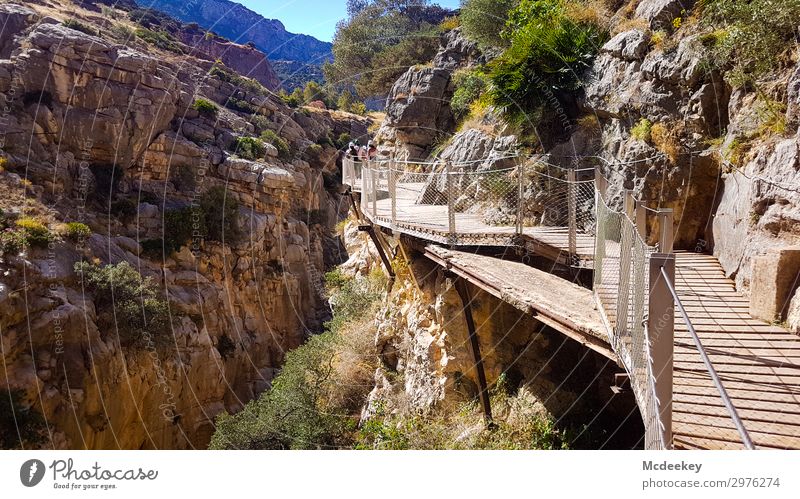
[748,443]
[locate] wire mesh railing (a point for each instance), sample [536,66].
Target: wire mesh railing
[621,269]
[471,204]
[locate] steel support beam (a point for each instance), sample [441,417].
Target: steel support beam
[466,304]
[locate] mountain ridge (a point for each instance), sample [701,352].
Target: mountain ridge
[240,24]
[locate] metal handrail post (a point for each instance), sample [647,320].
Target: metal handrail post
[520,190]
[451,214]
[393,190]
[572,222]
[661,336]
[374,180]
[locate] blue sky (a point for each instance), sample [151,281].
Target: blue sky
[312,17]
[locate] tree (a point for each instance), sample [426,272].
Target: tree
[483,20]
[362,43]
[312,92]
[297,96]
[345,101]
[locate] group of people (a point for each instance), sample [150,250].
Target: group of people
[362,153]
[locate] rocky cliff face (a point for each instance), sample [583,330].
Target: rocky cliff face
[240,24]
[418,105]
[90,126]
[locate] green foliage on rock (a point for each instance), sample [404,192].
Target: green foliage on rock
[77,231]
[160,39]
[205,108]
[249,148]
[470,85]
[280,144]
[314,402]
[35,231]
[380,40]
[483,21]
[749,36]
[126,303]
[547,54]
[79,26]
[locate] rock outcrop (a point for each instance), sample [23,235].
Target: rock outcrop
[107,135]
[418,105]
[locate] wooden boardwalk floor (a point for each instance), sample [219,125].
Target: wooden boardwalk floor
[758,363]
[431,222]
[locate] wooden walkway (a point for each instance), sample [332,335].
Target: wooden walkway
[758,363]
[431,222]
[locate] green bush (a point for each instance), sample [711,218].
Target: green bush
[315,401]
[181,225]
[470,85]
[21,427]
[36,232]
[547,54]
[220,71]
[12,242]
[79,26]
[280,144]
[483,20]
[77,231]
[641,131]
[124,209]
[160,39]
[220,213]
[205,108]
[749,36]
[313,151]
[126,303]
[342,141]
[240,105]
[249,148]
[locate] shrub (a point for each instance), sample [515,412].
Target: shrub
[77,231]
[12,242]
[483,20]
[221,215]
[183,178]
[36,232]
[126,302]
[313,151]
[79,26]
[181,225]
[21,426]
[342,141]
[205,108]
[359,108]
[160,39]
[547,54]
[240,105]
[280,144]
[641,131]
[123,209]
[750,36]
[449,23]
[220,71]
[470,85]
[249,148]
[665,139]
[316,399]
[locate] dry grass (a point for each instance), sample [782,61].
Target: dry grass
[665,138]
[17,197]
[594,12]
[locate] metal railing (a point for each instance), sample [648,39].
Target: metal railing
[634,285]
[469,204]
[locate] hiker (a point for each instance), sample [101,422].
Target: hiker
[372,151]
